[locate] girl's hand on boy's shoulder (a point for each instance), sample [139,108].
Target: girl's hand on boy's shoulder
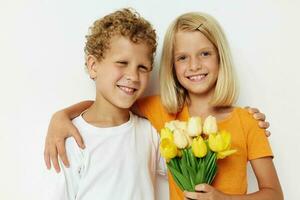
[261,117]
[206,192]
[59,129]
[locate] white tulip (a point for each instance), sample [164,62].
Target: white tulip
[194,126]
[176,124]
[180,139]
[210,125]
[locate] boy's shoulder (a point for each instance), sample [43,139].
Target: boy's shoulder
[141,121]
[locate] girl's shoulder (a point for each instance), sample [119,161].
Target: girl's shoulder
[236,114]
[246,119]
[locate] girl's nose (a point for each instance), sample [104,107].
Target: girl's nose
[195,64]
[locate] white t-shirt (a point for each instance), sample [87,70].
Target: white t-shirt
[118,162]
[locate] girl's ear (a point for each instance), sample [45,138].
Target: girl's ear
[91,63]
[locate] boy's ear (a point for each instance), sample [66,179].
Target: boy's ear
[91,63]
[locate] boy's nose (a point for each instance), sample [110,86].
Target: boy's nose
[132,74]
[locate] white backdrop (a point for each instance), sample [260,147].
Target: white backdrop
[42,70]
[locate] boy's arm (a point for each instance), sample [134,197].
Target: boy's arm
[268,183]
[60,128]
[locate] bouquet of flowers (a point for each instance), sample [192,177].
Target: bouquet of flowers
[191,150]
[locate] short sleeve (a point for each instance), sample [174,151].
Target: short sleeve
[154,111]
[72,175]
[257,142]
[160,163]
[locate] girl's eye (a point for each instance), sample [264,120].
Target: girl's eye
[205,53]
[181,58]
[143,68]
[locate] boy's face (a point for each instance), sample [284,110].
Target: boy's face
[122,75]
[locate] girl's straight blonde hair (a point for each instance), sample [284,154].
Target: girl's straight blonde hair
[173,95]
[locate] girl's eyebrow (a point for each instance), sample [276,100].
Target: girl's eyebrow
[201,49]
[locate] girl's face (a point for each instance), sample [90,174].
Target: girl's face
[122,75]
[196,62]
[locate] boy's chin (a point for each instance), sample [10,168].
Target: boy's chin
[124,105]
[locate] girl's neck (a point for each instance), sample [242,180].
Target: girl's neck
[104,114]
[199,105]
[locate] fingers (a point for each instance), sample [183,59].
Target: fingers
[53,156]
[259,116]
[268,133]
[62,152]
[192,195]
[201,192]
[75,133]
[252,110]
[47,158]
[203,188]
[263,124]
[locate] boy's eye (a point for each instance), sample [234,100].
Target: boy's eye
[122,62]
[143,68]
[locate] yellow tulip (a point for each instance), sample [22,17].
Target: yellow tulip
[194,126]
[166,133]
[167,149]
[224,154]
[199,147]
[220,143]
[210,125]
[180,139]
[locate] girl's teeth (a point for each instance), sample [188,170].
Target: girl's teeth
[196,78]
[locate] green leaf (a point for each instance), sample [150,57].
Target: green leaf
[192,158]
[192,175]
[200,174]
[184,182]
[211,167]
[175,178]
[174,163]
[183,165]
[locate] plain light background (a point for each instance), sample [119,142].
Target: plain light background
[42,70]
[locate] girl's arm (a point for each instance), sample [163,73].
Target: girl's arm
[268,183]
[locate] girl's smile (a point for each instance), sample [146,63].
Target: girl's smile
[196,62]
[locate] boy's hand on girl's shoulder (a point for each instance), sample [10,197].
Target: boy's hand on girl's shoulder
[59,129]
[261,117]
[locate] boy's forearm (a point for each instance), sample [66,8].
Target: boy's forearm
[262,194]
[76,109]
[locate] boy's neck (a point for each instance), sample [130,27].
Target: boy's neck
[104,114]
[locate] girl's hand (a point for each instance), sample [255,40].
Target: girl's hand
[261,117]
[206,192]
[60,128]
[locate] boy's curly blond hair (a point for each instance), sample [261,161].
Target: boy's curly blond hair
[125,22]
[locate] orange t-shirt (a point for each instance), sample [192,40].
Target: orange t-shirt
[247,138]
